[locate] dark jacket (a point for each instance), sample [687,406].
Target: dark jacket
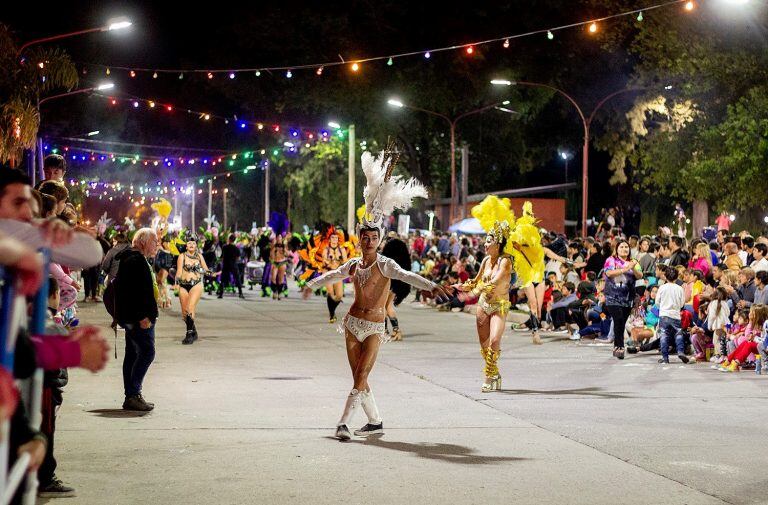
[747,292]
[134,290]
[109,264]
[678,258]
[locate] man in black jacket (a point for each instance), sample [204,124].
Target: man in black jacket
[136,311]
[678,256]
[229,256]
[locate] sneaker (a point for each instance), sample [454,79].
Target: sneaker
[189,339]
[56,489]
[683,358]
[632,349]
[574,336]
[714,359]
[137,404]
[342,433]
[370,429]
[520,327]
[664,361]
[733,367]
[601,340]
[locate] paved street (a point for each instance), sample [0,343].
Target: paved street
[246,415]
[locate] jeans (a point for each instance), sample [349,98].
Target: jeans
[139,354]
[670,329]
[91,281]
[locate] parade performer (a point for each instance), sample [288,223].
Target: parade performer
[333,256]
[363,325]
[264,244]
[397,250]
[190,268]
[510,245]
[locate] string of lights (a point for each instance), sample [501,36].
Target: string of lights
[591,25]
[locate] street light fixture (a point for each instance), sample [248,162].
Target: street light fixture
[114,24]
[452,121]
[586,122]
[101,87]
[334,125]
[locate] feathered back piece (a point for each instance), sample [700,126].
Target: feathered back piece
[521,234]
[385,192]
[279,223]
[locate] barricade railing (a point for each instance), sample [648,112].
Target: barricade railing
[12,310]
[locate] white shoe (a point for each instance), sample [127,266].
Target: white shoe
[574,336]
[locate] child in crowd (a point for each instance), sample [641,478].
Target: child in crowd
[718,317]
[748,343]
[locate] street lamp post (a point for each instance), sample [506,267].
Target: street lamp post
[452,122]
[116,24]
[586,122]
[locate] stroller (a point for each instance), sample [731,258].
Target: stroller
[254,272]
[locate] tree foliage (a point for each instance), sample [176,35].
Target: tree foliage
[22,85]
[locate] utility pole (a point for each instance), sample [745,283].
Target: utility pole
[464,179]
[351,181]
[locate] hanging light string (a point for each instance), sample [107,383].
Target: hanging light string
[354,64]
[295,131]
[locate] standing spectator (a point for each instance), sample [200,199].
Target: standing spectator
[136,303]
[723,222]
[443,246]
[621,272]
[229,256]
[670,300]
[109,264]
[54,168]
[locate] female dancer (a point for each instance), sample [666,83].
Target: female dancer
[279,262]
[190,268]
[163,263]
[509,243]
[333,257]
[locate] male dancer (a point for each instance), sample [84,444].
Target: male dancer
[364,323]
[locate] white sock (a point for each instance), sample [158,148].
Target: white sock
[370,408]
[353,400]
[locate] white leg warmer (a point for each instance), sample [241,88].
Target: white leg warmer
[370,408]
[353,400]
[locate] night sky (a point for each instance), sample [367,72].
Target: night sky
[262,34]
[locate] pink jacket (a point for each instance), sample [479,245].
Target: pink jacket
[700,264]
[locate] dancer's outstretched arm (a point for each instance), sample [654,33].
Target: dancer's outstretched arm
[332,276]
[389,268]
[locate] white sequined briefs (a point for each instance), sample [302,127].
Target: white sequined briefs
[363,329]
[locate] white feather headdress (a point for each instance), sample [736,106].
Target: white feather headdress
[385,192]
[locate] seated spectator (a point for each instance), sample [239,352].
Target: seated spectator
[732,260]
[759,252]
[747,345]
[746,289]
[761,288]
[558,312]
[701,260]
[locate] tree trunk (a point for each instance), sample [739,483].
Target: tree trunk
[700,217]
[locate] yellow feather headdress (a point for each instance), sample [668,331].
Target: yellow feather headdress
[523,242]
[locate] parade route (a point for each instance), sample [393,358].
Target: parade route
[246,415]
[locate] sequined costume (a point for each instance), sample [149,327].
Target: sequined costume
[383,193]
[519,251]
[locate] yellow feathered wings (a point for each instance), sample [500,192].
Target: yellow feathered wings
[523,239]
